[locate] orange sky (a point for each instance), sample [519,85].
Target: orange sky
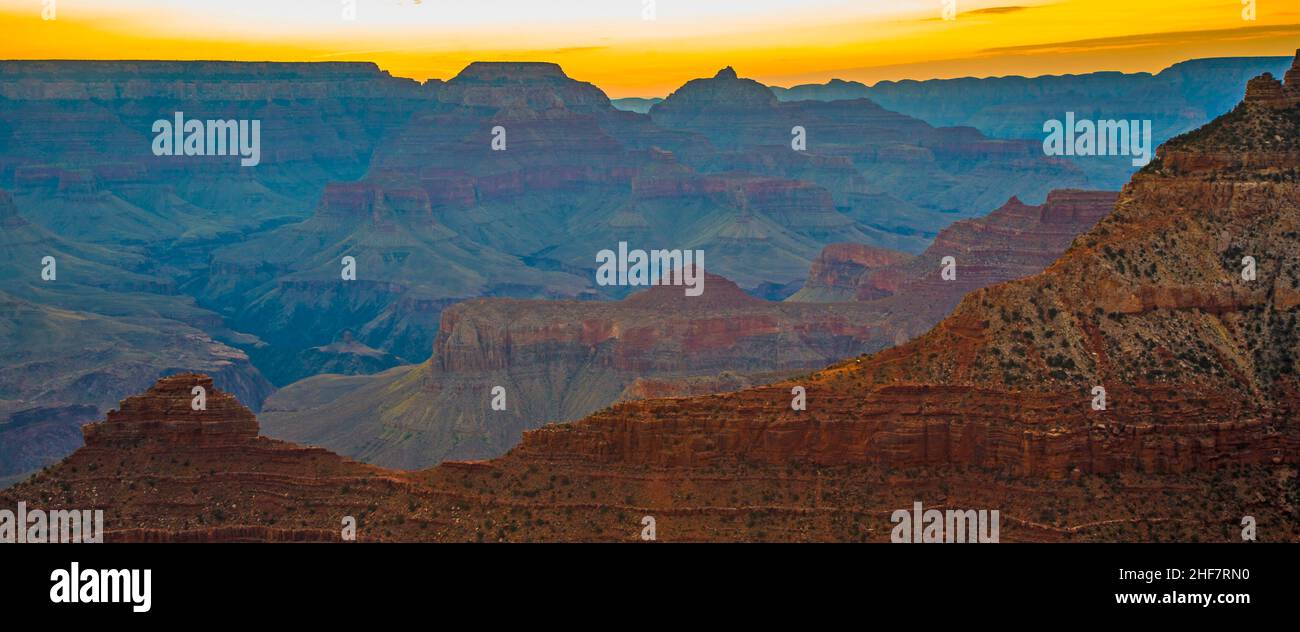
[611,44]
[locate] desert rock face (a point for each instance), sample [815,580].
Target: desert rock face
[165,473]
[531,85]
[1266,91]
[563,360]
[836,273]
[162,471]
[1014,241]
[1181,304]
[166,412]
[1199,364]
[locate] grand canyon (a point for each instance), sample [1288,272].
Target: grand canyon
[906,301]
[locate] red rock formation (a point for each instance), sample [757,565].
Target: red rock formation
[162,471]
[1269,92]
[1198,363]
[172,484]
[790,202]
[659,329]
[1265,90]
[1015,241]
[565,359]
[562,359]
[166,412]
[532,85]
[990,409]
[838,271]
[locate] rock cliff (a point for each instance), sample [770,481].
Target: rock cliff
[1196,356]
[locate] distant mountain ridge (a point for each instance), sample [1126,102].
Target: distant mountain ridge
[1177,99]
[1207,86]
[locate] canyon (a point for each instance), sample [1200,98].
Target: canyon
[993,407]
[562,360]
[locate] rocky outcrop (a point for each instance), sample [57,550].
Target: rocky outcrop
[530,85]
[165,472]
[1266,91]
[170,483]
[184,408]
[723,90]
[348,199]
[562,360]
[1016,240]
[656,330]
[838,271]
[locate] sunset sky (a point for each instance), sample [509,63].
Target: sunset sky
[611,44]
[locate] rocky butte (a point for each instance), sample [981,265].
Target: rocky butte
[991,409]
[163,471]
[1016,240]
[562,360]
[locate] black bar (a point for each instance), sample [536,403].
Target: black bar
[426,582]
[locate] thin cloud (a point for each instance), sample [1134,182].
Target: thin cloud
[1005,10]
[996,10]
[1151,39]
